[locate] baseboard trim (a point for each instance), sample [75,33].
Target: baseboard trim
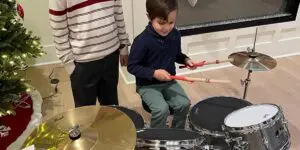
[46,63]
[287,55]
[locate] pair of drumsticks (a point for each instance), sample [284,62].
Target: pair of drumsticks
[207,80]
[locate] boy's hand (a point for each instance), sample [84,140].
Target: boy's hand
[162,75]
[190,64]
[124,60]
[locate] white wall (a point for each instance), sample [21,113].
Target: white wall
[276,40]
[36,18]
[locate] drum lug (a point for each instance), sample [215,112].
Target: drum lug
[228,140]
[266,142]
[223,127]
[202,132]
[239,144]
[237,139]
[280,108]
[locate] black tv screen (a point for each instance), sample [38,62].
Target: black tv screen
[217,15]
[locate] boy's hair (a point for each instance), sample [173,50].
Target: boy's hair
[160,8]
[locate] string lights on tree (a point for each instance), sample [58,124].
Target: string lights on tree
[17,47]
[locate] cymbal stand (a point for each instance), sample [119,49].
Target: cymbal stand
[247,80]
[246,83]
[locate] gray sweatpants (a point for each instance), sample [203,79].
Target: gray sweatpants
[160,97]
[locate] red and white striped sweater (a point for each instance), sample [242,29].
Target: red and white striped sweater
[87,30]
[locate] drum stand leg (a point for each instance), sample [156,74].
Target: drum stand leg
[246,83]
[250,51]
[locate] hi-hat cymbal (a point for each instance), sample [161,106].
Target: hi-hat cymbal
[252,61]
[85,128]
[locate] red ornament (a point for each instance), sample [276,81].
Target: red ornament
[20,11]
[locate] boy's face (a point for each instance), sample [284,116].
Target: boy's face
[164,27]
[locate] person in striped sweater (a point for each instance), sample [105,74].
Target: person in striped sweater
[90,38]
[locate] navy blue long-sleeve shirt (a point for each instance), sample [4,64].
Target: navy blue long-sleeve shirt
[151,51]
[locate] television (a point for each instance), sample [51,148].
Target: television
[203,16]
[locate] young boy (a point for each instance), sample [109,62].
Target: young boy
[152,60]
[89,36]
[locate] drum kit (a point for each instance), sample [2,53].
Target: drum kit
[215,123]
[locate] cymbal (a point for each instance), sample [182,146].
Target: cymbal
[85,128]
[252,61]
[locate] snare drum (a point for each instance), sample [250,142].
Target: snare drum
[168,139]
[207,118]
[258,127]
[136,118]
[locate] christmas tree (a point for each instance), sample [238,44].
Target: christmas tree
[17,47]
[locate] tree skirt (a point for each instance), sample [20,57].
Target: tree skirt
[17,123]
[23,123]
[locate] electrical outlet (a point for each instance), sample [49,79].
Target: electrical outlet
[54,81]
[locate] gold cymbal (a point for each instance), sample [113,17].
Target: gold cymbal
[85,128]
[252,61]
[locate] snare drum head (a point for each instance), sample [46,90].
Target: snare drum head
[210,113]
[251,115]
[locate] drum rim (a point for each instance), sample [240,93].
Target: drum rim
[209,97]
[255,127]
[164,143]
[170,129]
[247,107]
[288,144]
[190,143]
[209,146]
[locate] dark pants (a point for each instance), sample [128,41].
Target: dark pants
[159,97]
[96,79]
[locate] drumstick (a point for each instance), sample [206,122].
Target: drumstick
[190,79]
[208,63]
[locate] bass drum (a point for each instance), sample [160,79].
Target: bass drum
[207,118]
